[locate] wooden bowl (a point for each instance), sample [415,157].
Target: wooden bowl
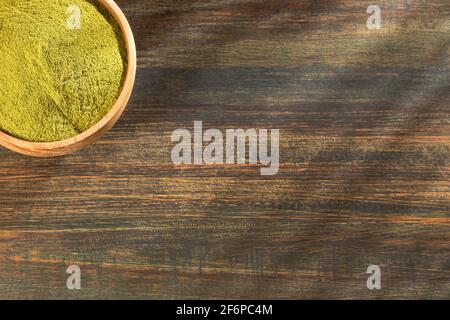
[59,148]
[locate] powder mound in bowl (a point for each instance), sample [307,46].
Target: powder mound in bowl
[57,78]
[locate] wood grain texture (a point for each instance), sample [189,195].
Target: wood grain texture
[364,176]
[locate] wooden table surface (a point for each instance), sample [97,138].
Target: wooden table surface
[364,175]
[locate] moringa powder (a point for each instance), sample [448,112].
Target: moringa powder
[57,78]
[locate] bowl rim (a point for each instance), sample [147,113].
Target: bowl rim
[40,148]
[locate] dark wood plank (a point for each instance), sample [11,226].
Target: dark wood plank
[364,176]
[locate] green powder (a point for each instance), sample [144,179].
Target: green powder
[56,81]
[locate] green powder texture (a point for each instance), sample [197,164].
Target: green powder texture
[56,82]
